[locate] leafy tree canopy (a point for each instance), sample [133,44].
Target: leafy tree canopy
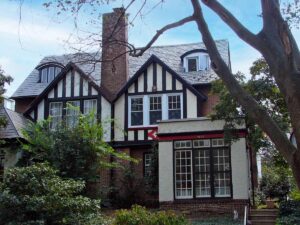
[4,79]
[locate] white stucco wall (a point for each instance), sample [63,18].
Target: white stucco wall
[240,170]
[119,118]
[191,104]
[165,171]
[106,118]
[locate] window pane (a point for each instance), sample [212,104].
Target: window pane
[204,62]
[72,113]
[183,144]
[174,107]
[136,111]
[192,64]
[55,112]
[44,74]
[90,106]
[50,74]
[155,109]
[57,70]
[183,174]
[147,164]
[203,143]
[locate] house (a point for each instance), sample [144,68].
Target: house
[162,96]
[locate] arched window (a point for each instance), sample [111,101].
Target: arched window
[195,60]
[49,72]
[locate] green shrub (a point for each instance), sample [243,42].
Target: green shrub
[139,215]
[289,213]
[36,195]
[295,195]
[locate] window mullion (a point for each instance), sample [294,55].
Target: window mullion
[146,110]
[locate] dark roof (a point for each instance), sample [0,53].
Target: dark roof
[170,55]
[15,123]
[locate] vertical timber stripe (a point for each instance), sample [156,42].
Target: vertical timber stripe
[126,117]
[112,126]
[145,81]
[72,83]
[145,135]
[90,89]
[136,135]
[35,114]
[99,107]
[46,105]
[82,106]
[136,86]
[81,87]
[64,87]
[173,83]
[164,79]
[198,107]
[154,75]
[184,103]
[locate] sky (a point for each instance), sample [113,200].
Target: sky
[41,32]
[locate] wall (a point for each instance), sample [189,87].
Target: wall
[22,104]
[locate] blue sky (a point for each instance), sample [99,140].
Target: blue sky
[41,32]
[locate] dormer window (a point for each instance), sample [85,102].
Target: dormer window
[49,72]
[195,60]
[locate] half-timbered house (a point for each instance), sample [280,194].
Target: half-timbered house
[161,97]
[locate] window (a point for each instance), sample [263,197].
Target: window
[48,73]
[147,164]
[55,112]
[174,107]
[72,113]
[90,106]
[202,170]
[204,61]
[137,111]
[155,109]
[183,174]
[192,64]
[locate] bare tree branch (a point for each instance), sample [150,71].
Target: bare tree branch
[232,22]
[139,51]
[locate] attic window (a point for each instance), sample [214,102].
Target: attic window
[192,64]
[196,61]
[47,74]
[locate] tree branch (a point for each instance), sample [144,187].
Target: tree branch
[232,22]
[139,51]
[255,111]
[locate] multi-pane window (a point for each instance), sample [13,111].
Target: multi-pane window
[192,64]
[201,169]
[183,174]
[147,164]
[49,73]
[89,106]
[72,113]
[221,172]
[174,106]
[155,112]
[55,112]
[137,111]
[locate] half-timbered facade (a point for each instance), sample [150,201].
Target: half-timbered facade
[161,97]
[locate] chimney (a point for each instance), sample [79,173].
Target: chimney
[114,67]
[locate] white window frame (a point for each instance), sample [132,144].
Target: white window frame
[199,56]
[197,63]
[146,108]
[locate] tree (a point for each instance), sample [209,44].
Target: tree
[37,195]
[4,79]
[276,44]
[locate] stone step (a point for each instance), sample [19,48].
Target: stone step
[264,212]
[263,217]
[263,222]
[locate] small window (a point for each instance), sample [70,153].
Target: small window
[55,112]
[182,144]
[44,75]
[192,64]
[218,142]
[72,113]
[204,62]
[136,111]
[155,109]
[174,107]
[51,74]
[47,74]
[90,106]
[57,70]
[147,164]
[202,143]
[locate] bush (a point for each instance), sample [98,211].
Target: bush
[289,213]
[36,195]
[139,215]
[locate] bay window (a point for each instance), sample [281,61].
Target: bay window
[202,169]
[147,110]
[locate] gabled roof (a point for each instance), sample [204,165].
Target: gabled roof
[169,54]
[70,66]
[15,123]
[155,59]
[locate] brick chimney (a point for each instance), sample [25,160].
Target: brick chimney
[114,68]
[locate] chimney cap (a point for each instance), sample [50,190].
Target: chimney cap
[120,9]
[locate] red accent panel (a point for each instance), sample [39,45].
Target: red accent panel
[153,134]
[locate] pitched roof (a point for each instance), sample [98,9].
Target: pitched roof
[170,55]
[15,123]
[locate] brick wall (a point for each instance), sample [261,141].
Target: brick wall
[114,68]
[212,100]
[22,104]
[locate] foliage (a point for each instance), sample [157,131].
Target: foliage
[4,79]
[77,152]
[37,195]
[291,12]
[289,213]
[151,182]
[275,182]
[263,88]
[138,215]
[295,194]
[217,221]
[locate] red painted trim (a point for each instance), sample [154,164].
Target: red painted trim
[197,136]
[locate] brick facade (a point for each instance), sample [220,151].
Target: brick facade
[209,104]
[114,67]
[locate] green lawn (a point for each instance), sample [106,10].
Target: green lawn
[216,221]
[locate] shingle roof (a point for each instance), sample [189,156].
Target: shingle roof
[170,55]
[15,123]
